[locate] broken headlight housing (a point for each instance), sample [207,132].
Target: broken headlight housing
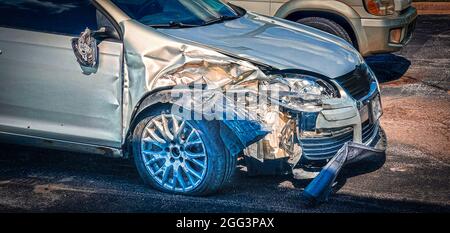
[300,92]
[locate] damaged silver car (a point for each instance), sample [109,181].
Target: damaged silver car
[185,88]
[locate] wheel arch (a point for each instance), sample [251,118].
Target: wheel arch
[161,97]
[336,11]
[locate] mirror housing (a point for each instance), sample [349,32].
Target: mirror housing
[86,50]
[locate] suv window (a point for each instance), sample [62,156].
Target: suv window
[56,16]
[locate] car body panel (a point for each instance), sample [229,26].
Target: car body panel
[148,66]
[49,96]
[256,37]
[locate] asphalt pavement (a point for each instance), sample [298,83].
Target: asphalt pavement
[415,178]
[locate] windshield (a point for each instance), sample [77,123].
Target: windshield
[177,13]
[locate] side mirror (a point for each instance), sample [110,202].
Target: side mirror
[86,51]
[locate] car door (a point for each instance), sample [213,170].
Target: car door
[43,90]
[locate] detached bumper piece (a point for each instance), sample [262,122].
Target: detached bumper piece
[320,188]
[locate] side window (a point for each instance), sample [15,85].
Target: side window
[103,21]
[68,17]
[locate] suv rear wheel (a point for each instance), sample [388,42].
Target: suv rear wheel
[327,26]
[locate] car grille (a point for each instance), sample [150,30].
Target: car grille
[327,147]
[356,83]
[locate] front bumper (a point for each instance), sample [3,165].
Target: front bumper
[319,149]
[318,136]
[353,118]
[377,32]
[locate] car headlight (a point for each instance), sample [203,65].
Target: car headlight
[301,92]
[380,7]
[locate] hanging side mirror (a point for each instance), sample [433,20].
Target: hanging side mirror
[86,51]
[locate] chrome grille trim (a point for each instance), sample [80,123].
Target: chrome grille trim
[356,83]
[327,147]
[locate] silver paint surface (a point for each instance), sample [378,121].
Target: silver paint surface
[48,96]
[275,42]
[44,93]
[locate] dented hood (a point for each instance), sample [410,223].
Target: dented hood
[277,43]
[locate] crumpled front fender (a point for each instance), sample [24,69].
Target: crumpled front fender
[236,133]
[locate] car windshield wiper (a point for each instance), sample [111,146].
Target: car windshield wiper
[174,24]
[220,19]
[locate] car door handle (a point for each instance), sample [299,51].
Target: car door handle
[1,52]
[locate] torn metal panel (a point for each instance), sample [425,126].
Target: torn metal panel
[319,189]
[238,130]
[154,60]
[168,62]
[280,142]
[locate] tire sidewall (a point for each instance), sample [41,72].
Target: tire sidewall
[328,26]
[215,152]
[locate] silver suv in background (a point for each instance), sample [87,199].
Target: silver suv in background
[372,26]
